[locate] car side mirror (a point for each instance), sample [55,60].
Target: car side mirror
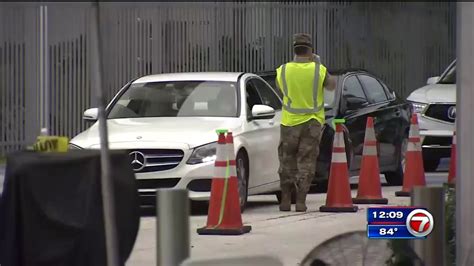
[432,80]
[260,111]
[354,103]
[91,115]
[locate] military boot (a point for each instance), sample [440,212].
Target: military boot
[301,192]
[301,201]
[285,201]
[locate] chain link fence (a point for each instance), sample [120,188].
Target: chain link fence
[45,78]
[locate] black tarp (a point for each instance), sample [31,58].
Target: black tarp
[51,209]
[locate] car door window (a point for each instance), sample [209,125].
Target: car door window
[252,95]
[374,89]
[266,94]
[353,89]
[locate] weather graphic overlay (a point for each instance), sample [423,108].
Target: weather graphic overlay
[399,223]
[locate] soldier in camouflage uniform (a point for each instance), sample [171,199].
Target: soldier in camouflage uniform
[301,82]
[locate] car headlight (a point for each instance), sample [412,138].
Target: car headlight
[203,154]
[418,107]
[73,147]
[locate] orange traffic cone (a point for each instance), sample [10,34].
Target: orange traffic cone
[452,163]
[339,191]
[224,216]
[414,172]
[370,189]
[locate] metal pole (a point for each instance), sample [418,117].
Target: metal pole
[172,223]
[106,179]
[44,68]
[431,250]
[464,133]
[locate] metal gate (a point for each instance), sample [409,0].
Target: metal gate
[45,78]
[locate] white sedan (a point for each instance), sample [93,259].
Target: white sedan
[168,124]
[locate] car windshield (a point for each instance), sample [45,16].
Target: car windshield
[177,99]
[449,77]
[328,95]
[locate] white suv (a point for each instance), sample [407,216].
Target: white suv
[435,105]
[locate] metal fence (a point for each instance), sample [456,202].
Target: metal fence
[45,78]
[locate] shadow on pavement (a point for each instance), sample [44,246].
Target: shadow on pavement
[261,204]
[147,211]
[200,208]
[197,209]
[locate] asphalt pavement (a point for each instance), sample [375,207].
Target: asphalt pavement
[287,236]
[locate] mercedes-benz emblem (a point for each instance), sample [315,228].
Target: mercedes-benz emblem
[138,160]
[452,113]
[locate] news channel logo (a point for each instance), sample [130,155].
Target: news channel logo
[399,223]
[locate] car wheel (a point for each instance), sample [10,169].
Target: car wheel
[242,166]
[396,178]
[431,165]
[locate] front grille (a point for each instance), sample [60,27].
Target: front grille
[441,141]
[440,112]
[153,160]
[157,183]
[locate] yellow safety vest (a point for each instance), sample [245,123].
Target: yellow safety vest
[303,94]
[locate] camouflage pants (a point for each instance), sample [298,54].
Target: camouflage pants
[298,152]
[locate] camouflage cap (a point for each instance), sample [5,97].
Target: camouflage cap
[302,39]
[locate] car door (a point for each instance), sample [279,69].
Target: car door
[271,129]
[260,143]
[355,106]
[386,119]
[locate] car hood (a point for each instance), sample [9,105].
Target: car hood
[434,93]
[165,132]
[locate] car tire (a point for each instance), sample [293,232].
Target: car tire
[430,165]
[395,178]
[242,167]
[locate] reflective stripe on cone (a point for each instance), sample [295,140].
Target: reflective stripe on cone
[338,198]
[369,189]
[220,164]
[414,174]
[224,216]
